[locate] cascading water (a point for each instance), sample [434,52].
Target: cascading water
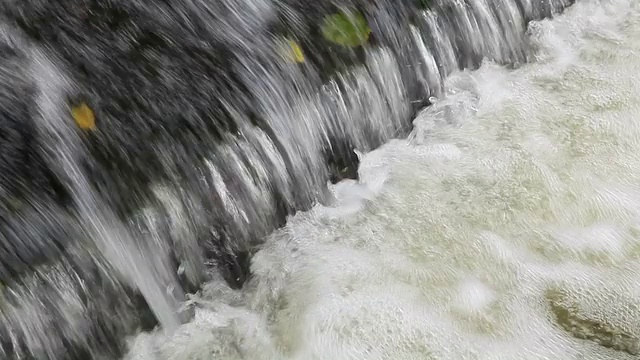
[489,233]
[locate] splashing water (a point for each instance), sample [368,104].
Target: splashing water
[502,228]
[505,227]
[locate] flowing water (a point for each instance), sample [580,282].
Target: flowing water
[505,226]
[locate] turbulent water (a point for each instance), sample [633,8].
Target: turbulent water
[206,135]
[505,227]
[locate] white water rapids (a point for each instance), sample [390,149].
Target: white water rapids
[507,226]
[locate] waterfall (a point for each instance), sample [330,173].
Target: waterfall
[207,138]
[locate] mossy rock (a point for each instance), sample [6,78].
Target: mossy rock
[348,29]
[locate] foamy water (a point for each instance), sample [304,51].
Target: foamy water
[507,226]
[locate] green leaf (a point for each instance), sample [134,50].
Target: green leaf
[423,4]
[346,29]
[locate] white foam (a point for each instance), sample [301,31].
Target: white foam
[473,297]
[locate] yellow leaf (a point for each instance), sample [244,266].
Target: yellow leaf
[294,52]
[84,117]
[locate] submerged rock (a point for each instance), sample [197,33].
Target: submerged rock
[584,321]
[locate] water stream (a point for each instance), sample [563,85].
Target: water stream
[504,227]
[501,225]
